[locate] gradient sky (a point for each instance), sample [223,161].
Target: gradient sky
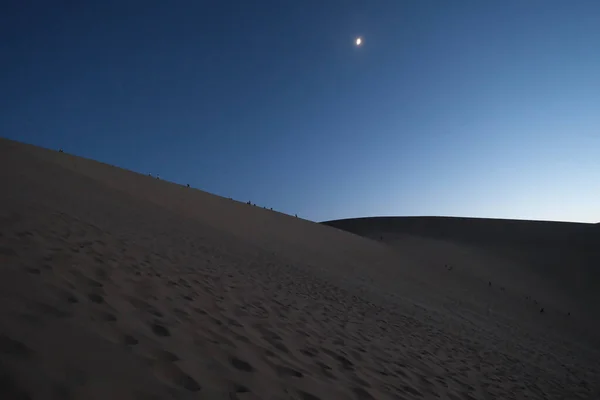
[459,108]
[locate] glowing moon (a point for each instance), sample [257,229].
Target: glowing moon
[358,41]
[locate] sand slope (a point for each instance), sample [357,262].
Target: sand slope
[555,264]
[117,285]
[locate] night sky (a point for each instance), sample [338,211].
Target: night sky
[457,108]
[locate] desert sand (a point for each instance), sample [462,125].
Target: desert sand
[117,285]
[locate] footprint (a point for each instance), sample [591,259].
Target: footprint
[200,311]
[181,313]
[94,283]
[233,322]
[281,347]
[268,334]
[346,364]
[109,317]
[101,273]
[71,298]
[34,271]
[164,355]
[307,396]
[242,338]
[241,389]
[285,371]
[356,355]
[326,370]
[160,330]
[401,373]
[221,340]
[241,364]
[361,382]
[310,352]
[130,340]
[411,390]
[362,393]
[174,375]
[96,298]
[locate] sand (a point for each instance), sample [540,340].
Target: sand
[117,285]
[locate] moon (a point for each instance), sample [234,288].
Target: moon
[358,41]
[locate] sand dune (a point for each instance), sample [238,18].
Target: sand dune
[556,264]
[118,285]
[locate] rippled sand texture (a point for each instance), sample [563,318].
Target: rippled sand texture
[116,285]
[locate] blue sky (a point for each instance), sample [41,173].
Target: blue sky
[459,108]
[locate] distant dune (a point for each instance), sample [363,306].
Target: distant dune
[117,285]
[558,262]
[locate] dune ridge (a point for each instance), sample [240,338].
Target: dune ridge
[118,285]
